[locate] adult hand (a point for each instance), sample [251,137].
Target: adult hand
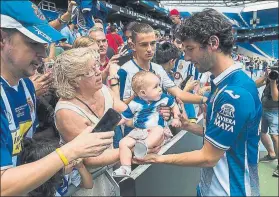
[165,112]
[203,90]
[78,163]
[41,83]
[71,4]
[191,84]
[122,51]
[88,144]
[113,60]
[148,159]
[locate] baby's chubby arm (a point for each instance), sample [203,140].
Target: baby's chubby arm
[129,123]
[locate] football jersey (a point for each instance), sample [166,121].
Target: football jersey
[130,68]
[182,69]
[146,115]
[232,122]
[18,119]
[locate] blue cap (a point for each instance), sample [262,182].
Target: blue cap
[27,18]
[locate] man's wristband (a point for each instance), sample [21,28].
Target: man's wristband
[62,157]
[201,101]
[61,21]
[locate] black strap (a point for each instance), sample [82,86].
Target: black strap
[86,106]
[115,40]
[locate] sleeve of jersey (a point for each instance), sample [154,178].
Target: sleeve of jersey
[122,80]
[6,156]
[171,101]
[127,114]
[230,113]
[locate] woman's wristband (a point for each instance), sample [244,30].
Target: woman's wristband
[62,157]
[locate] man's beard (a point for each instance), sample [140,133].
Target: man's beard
[206,63]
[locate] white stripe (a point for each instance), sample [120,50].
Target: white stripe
[213,105]
[220,185]
[263,53]
[239,14]
[217,145]
[32,114]
[246,176]
[9,113]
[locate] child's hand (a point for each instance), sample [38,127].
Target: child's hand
[79,163]
[176,123]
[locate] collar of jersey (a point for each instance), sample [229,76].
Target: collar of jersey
[217,80]
[4,81]
[140,68]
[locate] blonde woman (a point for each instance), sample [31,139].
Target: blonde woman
[85,41]
[83,101]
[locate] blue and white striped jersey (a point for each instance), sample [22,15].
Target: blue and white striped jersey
[18,119]
[130,68]
[146,115]
[232,121]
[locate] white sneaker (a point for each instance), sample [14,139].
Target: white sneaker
[121,172]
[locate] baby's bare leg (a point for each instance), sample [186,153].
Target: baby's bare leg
[155,137]
[125,146]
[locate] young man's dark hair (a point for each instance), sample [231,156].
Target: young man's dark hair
[202,25]
[140,28]
[166,52]
[113,28]
[129,26]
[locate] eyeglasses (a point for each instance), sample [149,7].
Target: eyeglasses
[92,71]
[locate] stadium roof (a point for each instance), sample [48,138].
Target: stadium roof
[212,3]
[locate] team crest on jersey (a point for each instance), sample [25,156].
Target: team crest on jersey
[30,104]
[38,12]
[227,110]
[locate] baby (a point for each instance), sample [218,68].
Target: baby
[150,128]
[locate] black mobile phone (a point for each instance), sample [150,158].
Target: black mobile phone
[108,122]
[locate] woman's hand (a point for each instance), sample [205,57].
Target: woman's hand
[88,144]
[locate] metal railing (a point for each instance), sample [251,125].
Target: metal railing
[140,177]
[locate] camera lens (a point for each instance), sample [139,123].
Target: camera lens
[273,75]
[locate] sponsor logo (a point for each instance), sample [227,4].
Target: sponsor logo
[225,118]
[39,32]
[18,136]
[230,92]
